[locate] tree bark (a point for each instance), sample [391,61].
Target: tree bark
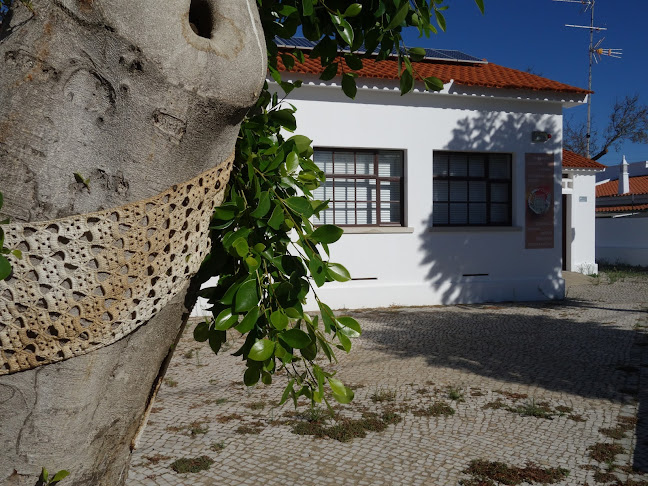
[106,104]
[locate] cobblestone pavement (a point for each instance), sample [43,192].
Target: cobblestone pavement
[575,364]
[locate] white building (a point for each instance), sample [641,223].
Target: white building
[444,197]
[448,197]
[622,214]
[578,213]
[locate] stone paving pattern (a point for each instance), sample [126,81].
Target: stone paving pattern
[585,355]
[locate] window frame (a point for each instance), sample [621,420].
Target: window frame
[331,177]
[468,179]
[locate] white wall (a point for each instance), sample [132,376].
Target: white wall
[622,240]
[581,232]
[421,265]
[424,265]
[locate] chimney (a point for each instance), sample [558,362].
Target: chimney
[624,179]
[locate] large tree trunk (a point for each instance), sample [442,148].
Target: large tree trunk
[118,119]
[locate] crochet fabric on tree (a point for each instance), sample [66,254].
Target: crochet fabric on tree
[86,281]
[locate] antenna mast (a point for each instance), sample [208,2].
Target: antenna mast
[594,50]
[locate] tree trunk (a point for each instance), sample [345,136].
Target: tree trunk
[117,124]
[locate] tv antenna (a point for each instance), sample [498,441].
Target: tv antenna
[595,53]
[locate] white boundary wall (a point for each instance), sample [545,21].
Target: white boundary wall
[622,240]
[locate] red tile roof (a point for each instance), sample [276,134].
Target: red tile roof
[486,75]
[572,160]
[638,185]
[614,209]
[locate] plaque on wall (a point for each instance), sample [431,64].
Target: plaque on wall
[539,201]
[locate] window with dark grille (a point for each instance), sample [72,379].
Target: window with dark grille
[364,187]
[471,189]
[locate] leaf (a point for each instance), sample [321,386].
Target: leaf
[251,376]
[201,332]
[328,233]
[440,20]
[349,86]
[279,320]
[341,394]
[307,8]
[329,72]
[302,143]
[5,268]
[247,296]
[343,28]
[248,322]
[433,84]
[59,476]
[338,272]
[399,16]
[292,162]
[416,53]
[277,218]
[337,386]
[295,338]
[216,340]
[350,328]
[406,81]
[344,341]
[327,316]
[300,205]
[224,320]
[285,118]
[353,61]
[317,270]
[263,206]
[241,247]
[480,4]
[353,10]
[261,350]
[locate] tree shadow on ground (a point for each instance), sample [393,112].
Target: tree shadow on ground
[544,345]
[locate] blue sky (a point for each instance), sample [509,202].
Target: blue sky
[524,34]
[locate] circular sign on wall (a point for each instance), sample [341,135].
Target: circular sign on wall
[539,200]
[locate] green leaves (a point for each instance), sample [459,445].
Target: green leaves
[343,28]
[349,85]
[247,296]
[327,233]
[399,16]
[295,338]
[261,350]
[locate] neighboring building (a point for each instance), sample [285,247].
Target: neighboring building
[578,212]
[622,214]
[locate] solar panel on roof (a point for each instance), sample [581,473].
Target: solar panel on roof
[430,54]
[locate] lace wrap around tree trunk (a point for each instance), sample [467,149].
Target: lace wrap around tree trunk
[117,124]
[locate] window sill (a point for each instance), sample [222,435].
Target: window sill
[355,230]
[475,229]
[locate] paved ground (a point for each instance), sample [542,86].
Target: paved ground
[579,362]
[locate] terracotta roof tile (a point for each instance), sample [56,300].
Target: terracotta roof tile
[638,185]
[572,160]
[486,75]
[614,209]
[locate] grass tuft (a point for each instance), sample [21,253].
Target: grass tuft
[191,465]
[489,473]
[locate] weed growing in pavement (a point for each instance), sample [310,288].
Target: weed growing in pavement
[188,354]
[170,382]
[511,395]
[260,405]
[217,446]
[156,458]
[197,427]
[455,394]
[348,429]
[192,465]
[247,429]
[490,473]
[383,396]
[437,409]
[604,452]
[533,409]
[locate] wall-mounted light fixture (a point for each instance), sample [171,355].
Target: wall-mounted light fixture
[540,137]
